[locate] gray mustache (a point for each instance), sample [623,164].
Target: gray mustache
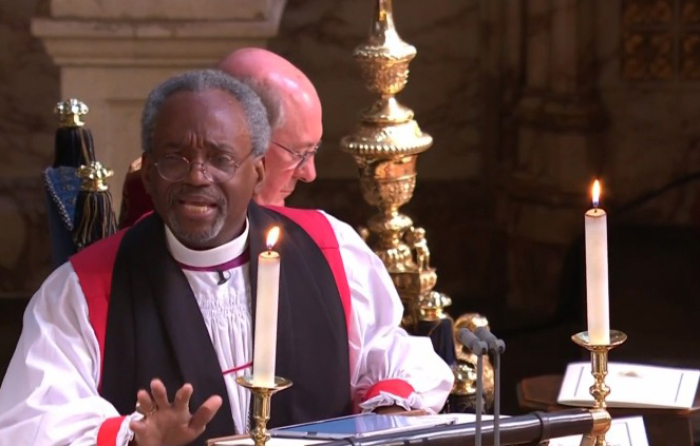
[184,193]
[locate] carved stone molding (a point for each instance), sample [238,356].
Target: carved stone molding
[660,40]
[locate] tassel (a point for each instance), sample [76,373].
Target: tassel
[94,218]
[73,145]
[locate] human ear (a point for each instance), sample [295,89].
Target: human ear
[259,172]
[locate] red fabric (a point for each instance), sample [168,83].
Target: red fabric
[319,228]
[94,266]
[135,200]
[107,435]
[397,387]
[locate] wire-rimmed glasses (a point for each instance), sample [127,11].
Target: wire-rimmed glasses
[217,168]
[302,157]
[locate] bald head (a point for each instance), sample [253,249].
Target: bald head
[271,71]
[295,114]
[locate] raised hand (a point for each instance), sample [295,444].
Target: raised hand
[167,424]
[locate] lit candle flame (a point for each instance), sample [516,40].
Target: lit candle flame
[272,236]
[596,193]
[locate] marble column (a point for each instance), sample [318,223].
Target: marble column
[110,53]
[554,152]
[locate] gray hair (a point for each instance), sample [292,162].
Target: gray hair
[200,80]
[271,99]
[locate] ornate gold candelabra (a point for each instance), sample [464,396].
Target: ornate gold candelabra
[386,145]
[261,405]
[599,390]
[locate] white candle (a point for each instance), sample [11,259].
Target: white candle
[265,347]
[597,272]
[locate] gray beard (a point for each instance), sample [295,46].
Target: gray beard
[196,238]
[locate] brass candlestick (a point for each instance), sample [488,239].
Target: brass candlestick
[261,405]
[599,369]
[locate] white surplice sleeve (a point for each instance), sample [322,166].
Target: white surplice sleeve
[49,393]
[387,365]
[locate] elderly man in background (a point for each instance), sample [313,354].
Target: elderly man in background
[294,112]
[294,109]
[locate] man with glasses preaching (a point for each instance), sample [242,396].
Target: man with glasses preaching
[139,338]
[295,116]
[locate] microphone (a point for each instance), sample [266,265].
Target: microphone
[223,277]
[472,342]
[479,348]
[496,346]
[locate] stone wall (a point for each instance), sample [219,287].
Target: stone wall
[652,96]
[29,89]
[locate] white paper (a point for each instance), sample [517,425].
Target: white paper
[632,385]
[623,432]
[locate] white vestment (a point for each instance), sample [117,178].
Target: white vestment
[49,395]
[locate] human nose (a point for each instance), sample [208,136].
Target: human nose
[198,173]
[307,171]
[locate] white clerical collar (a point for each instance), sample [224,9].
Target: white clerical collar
[210,259]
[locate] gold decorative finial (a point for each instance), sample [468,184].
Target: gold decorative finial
[93,177]
[70,112]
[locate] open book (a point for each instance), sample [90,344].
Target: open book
[632,385]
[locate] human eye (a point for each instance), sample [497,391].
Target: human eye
[222,161]
[171,158]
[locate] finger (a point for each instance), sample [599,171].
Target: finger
[138,427]
[144,402]
[205,413]
[182,398]
[160,394]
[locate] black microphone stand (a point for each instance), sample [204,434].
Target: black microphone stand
[479,348]
[496,347]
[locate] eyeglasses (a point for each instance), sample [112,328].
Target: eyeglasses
[217,168]
[301,158]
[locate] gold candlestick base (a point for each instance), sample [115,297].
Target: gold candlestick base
[261,405]
[599,369]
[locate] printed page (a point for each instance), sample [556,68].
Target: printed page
[632,385]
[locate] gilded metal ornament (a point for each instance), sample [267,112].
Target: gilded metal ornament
[386,145]
[465,384]
[93,177]
[70,112]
